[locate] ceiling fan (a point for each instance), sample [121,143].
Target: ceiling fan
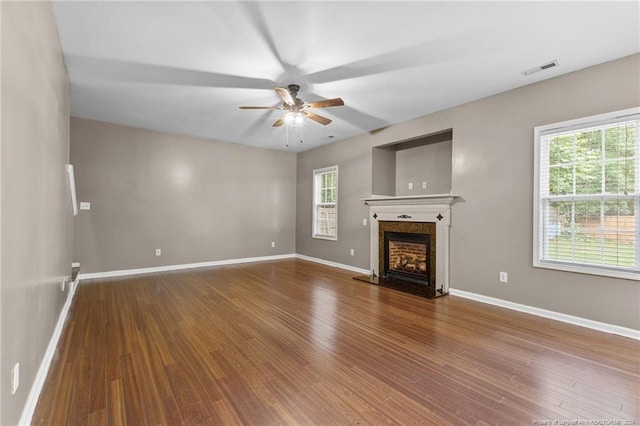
[297,108]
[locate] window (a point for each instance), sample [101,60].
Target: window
[325,203]
[587,195]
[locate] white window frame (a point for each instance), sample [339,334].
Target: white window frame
[316,204]
[538,260]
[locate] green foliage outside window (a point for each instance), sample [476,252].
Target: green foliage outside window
[576,163]
[328,187]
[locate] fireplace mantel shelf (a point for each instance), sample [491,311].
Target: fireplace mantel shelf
[383,200]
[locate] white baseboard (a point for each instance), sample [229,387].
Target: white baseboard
[570,319]
[125,272]
[334,264]
[41,375]
[155,269]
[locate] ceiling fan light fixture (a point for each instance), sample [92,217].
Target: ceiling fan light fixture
[293,118]
[296,110]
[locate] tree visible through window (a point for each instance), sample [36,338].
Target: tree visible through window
[588,195]
[325,203]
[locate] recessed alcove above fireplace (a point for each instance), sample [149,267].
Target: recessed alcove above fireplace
[409,247]
[418,166]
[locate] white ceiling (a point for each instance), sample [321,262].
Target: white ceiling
[185,67]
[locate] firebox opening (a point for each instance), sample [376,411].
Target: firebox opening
[406,256]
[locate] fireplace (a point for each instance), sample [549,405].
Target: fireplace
[406,256]
[407,251]
[410,243]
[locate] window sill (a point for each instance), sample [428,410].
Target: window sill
[325,237]
[586,269]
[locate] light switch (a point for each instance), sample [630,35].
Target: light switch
[84,205]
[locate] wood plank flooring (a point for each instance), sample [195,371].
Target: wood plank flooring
[294,342]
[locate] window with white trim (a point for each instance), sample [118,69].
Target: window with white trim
[325,203]
[587,195]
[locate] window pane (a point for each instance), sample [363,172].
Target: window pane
[619,232]
[620,177]
[620,141]
[561,180]
[326,220]
[589,146]
[561,150]
[584,210]
[557,230]
[587,229]
[589,178]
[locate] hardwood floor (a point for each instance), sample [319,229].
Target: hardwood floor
[294,342]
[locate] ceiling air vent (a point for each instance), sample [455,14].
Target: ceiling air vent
[541,68]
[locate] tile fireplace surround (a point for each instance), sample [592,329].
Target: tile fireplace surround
[435,209]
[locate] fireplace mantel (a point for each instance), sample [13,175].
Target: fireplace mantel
[410,200]
[434,208]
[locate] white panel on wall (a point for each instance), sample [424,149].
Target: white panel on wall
[72,188]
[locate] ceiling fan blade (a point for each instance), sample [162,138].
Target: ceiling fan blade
[326,103]
[257,107]
[256,14]
[279,122]
[315,117]
[285,95]
[431,52]
[141,73]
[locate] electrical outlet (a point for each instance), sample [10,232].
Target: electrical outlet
[410,186]
[504,278]
[84,205]
[273,243]
[352,252]
[364,221]
[424,185]
[15,378]
[158,252]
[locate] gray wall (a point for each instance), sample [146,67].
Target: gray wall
[36,209]
[492,170]
[383,172]
[353,158]
[429,163]
[197,200]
